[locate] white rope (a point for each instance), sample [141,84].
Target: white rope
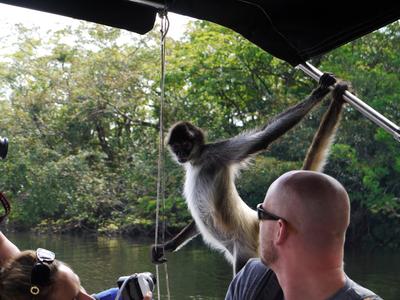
[161,152]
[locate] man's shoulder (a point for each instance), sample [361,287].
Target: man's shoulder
[354,291]
[254,282]
[255,265]
[360,292]
[254,270]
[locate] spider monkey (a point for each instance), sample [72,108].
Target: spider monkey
[219,214]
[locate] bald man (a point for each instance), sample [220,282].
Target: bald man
[303,222]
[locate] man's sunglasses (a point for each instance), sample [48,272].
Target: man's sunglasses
[265,215]
[40,274]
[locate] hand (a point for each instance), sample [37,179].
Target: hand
[157,254]
[148,296]
[327,80]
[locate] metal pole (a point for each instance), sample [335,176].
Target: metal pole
[357,103]
[150,3]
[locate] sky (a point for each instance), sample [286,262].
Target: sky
[10,15]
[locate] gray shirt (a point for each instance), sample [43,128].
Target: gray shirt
[258,282]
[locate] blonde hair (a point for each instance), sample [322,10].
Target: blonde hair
[15,278]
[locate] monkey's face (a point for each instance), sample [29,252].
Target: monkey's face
[185,141]
[182,150]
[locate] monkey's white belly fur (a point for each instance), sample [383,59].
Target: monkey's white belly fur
[212,197]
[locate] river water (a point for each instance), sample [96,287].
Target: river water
[195,272]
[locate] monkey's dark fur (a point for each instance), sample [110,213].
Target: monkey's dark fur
[220,215]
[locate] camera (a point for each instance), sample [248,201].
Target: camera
[3,147]
[134,287]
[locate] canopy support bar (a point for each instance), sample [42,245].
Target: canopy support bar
[150,3]
[357,103]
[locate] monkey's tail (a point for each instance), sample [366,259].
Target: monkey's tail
[318,152]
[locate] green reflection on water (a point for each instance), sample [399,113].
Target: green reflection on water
[195,272]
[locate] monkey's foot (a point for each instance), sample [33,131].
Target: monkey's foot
[339,90]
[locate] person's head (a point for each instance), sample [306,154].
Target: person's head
[57,282]
[311,212]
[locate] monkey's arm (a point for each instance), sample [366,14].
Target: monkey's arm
[242,146]
[184,236]
[319,150]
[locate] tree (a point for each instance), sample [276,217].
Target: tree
[81,109]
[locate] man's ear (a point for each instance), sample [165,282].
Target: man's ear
[282,232]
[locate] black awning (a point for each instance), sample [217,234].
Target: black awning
[291,30]
[116,13]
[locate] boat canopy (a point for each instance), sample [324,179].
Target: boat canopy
[291,30]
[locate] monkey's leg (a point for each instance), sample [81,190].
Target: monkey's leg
[184,236]
[318,152]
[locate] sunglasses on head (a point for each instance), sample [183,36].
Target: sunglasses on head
[265,215]
[40,274]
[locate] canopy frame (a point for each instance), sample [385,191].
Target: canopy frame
[357,103]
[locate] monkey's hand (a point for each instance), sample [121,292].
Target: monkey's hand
[326,80]
[157,254]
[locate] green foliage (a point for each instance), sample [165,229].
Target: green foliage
[82,119]
[254,181]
